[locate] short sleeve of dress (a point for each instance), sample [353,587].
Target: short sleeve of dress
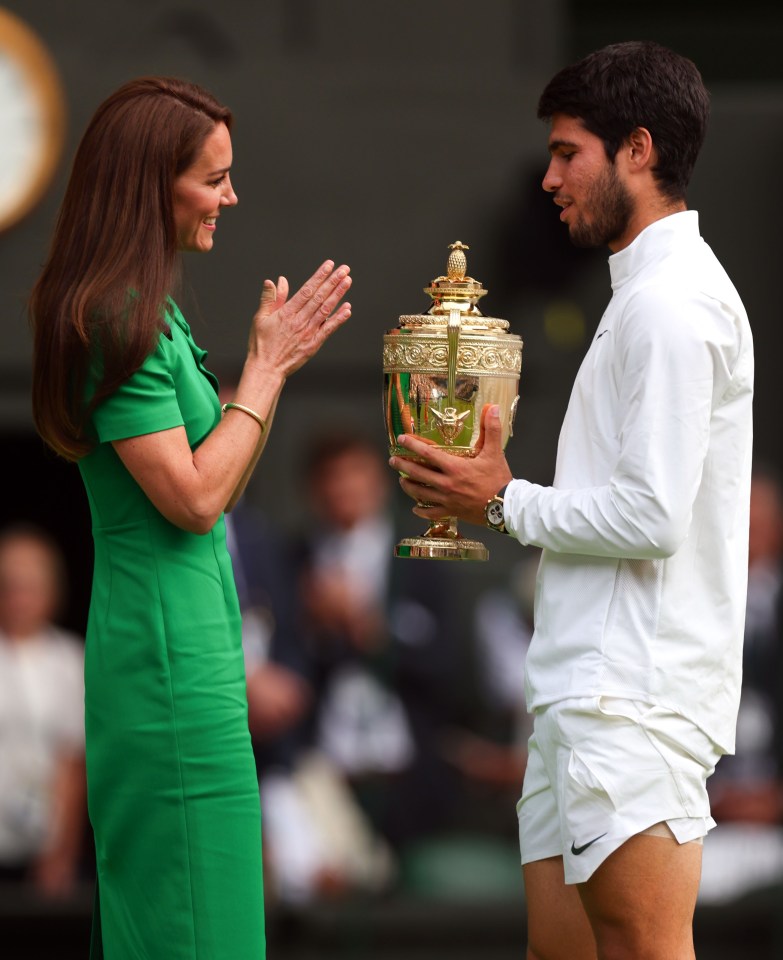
[145,403]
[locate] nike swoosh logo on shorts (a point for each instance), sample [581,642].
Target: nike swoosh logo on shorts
[578,850]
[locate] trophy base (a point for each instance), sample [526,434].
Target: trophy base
[441,548]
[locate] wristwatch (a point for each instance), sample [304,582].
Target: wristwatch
[493,512]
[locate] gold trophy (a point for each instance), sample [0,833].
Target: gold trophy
[440,369]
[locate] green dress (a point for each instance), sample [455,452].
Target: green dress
[172,789]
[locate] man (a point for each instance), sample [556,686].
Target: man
[633,672]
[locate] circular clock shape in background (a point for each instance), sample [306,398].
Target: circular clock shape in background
[32,119]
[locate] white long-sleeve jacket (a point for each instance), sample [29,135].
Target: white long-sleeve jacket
[642,583]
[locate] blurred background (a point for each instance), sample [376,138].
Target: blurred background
[385,698]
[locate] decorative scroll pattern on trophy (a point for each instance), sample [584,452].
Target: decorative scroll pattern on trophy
[477,323]
[473,357]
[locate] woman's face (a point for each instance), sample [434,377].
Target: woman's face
[202,190]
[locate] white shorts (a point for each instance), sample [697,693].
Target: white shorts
[602,769]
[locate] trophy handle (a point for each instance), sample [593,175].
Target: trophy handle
[449,421]
[452,334]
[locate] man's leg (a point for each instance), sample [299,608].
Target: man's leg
[557,925]
[641,900]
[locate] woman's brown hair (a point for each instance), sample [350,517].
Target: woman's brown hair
[100,296]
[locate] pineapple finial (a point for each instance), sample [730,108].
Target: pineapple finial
[457,264]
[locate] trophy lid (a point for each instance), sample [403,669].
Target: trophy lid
[455,291]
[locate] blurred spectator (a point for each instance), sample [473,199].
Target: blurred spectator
[746,791]
[749,785]
[278,693]
[309,853]
[317,844]
[42,779]
[380,643]
[296,867]
[495,749]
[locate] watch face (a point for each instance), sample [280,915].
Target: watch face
[495,513]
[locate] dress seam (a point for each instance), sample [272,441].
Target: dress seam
[179,753]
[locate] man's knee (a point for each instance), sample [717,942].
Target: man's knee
[558,928]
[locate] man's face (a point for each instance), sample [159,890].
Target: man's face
[596,205]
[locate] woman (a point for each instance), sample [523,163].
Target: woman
[120,386]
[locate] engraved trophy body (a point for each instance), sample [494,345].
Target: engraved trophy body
[440,370]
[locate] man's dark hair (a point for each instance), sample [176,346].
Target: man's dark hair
[637,84]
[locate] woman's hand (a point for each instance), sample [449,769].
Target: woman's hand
[192,488]
[286,333]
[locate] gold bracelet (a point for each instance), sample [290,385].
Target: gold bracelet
[248,411]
